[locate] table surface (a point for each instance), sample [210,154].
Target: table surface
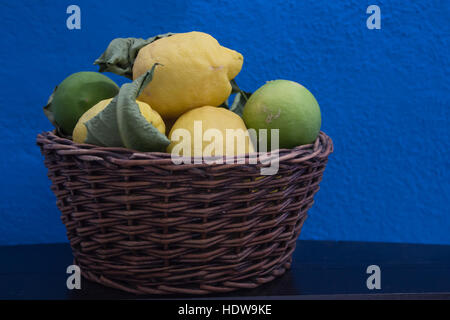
[320,270]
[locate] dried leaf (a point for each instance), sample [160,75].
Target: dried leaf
[119,57]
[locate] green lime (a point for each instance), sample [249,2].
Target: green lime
[287,106]
[78,93]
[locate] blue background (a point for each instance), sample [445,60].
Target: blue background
[383,95]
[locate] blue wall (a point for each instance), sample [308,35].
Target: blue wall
[383,94]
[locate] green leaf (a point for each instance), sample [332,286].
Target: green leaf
[240,99]
[121,123]
[234,87]
[102,130]
[119,57]
[136,132]
[48,108]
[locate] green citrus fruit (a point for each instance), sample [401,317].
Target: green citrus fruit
[287,106]
[78,93]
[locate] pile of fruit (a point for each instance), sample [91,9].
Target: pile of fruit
[177,81]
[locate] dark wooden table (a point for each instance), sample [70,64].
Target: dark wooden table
[320,270]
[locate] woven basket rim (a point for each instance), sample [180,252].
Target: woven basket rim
[322,147]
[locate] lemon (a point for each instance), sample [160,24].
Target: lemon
[80,132]
[195,71]
[198,122]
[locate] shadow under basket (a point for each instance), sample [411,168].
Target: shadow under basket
[142,224]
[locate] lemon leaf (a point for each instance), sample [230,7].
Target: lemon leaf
[239,100]
[121,123]
[120,54]
[102,130]
[136,132]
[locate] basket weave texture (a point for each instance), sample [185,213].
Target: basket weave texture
[140,223]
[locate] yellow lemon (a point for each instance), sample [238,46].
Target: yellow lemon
[80,132]
[209,131]
[195,71]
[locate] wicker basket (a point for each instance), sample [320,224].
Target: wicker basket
[139,223]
